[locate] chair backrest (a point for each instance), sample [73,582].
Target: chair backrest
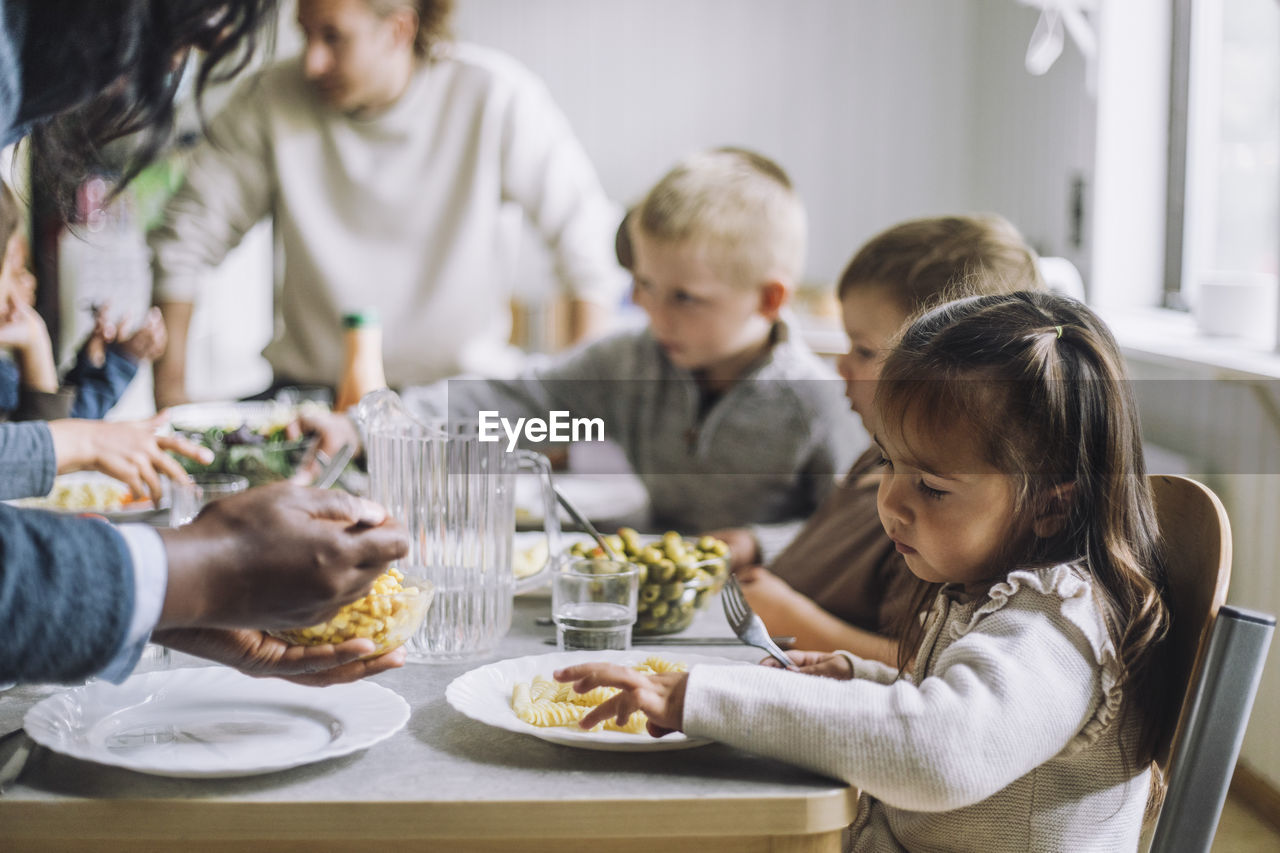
[1217,653]
[1196,539]
[1211,731]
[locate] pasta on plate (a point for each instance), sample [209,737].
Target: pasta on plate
[87,492]
[546,702]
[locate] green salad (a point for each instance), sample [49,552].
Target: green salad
[262,455]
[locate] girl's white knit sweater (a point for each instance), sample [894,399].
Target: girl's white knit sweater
[1009,737]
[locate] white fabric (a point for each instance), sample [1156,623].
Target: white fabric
[150,580]
[404,212]
[1006,740]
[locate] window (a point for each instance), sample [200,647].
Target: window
[1224,179]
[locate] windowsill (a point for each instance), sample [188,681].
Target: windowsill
[1151,335]
[1170,338]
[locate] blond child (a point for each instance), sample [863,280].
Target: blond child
[840,584]
[723,414]
[1015,490]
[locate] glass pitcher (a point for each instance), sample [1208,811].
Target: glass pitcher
[456,496]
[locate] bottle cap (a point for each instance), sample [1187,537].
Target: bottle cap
[363,319]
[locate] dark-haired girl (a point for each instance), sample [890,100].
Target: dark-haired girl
[1015,490]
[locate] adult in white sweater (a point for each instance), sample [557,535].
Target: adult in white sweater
[385,156]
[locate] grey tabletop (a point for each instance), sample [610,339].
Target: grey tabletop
[443,756]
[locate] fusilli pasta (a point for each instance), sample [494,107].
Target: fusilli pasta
[546,702]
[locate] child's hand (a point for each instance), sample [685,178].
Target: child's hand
[773,599]
[104,332]
[149,341]
[130,451]
[331,429]
[23,329]
[743,548]
[825,664]
[660,697]
[19,324]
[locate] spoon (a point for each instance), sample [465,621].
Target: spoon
[587,526]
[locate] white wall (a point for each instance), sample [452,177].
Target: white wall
[1132,168]
[866,104]
[1031,135]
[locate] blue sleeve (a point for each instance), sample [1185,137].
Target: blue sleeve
[66,595]
[99,388]
[27,460]
[13,19]
[10,382]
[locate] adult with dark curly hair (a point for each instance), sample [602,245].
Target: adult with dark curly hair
[80,596]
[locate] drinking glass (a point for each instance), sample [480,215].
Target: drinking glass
[593,603]
[189,498]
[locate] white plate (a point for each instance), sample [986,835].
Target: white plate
[484,694]
[257,415]
[91,484]
[529,552]
[213,722]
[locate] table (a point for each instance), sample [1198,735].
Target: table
[444,782]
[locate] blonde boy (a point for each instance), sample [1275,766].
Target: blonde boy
[725,417]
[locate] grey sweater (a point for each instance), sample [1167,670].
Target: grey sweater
[27,460]
[764,453]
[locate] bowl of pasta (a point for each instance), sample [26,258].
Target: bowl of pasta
[389,615]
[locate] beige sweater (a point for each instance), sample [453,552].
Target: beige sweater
[1005,740]
[406,212]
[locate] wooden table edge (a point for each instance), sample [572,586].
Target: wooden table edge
[221,820]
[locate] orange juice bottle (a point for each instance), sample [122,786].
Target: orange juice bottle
[362,370]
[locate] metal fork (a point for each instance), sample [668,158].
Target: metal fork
[747,625]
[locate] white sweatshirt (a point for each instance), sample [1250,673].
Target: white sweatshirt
[402,212]
[1009,738]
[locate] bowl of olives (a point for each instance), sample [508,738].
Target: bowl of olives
[678,575]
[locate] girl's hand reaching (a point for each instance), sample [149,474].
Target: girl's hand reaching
[660,697]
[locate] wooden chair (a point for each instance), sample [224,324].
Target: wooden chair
[1217,654]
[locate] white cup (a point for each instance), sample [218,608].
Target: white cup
[1237,304]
